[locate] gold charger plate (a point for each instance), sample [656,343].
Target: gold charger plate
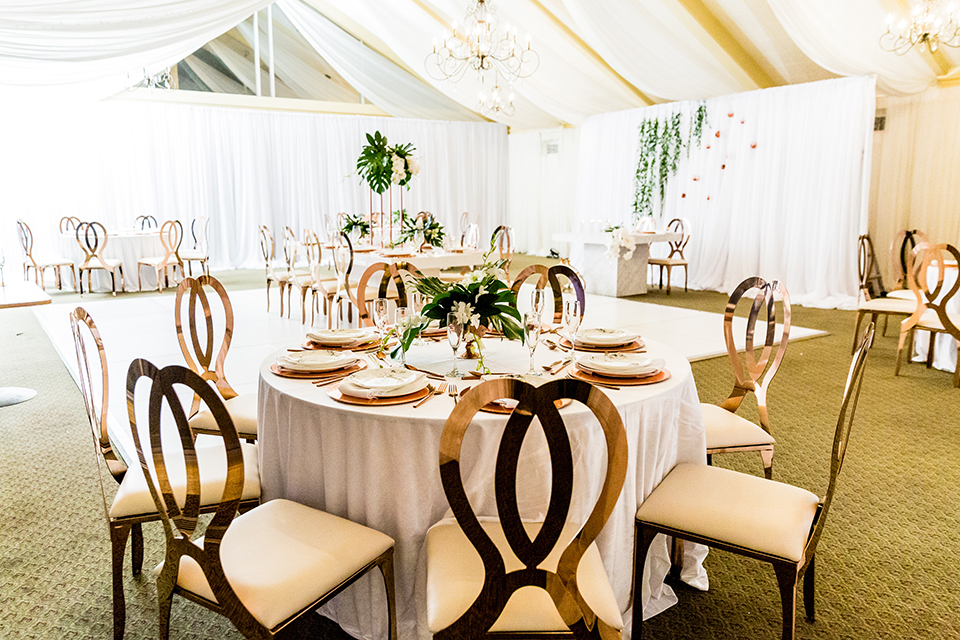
[580,374]
[496,407]
[366,347]
[636,345]
[377,402]
[365,250]
[359,365]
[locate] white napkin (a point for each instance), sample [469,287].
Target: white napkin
[350,388]
[341,337]
[605,337]
[316,360]
[622,364]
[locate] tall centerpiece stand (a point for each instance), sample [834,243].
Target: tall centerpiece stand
[384,167]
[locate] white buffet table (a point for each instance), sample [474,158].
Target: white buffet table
[379,466]
[608,277]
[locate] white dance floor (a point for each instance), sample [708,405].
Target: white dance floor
[143,327]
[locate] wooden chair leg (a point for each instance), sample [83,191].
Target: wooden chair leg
[686,272]
[166,582]
[136,548]
[856,331]
[767,456]
[956,369]
[886,320]
[303,305]
[113,282]
[160,280]
[903,338]
[808,580]
[268,295]
[930,343]
[787,580]
[669,276]
[73,272]
[676,558]
[118,545]
[385,562]
[642,541]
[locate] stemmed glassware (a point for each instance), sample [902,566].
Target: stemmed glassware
[380,311]
[531,336]
[571,322]
[537,299]
[454,336]
[416,306]
[401,320]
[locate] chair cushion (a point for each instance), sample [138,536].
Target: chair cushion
[750,512]
[727,429]
[930,320]
[455,578]
[156,260]
[668,262]
[133,497]
[192,254]
[902,294]
[243,410]
[53,261]
[98,263]
[282,556]
[889,305]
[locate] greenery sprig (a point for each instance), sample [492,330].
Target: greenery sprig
[379,164]
[350,223]
[433,232]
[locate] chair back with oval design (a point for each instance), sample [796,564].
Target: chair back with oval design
[753,373]
[68,224]
[903,243]
[924,259]
[171,237]
[871,284]
[502,239]
[471,237]
[146,222]
[199,348]
[200,231]
[464,223]
[562,586]
[25,236]
[92,238]
[677,246]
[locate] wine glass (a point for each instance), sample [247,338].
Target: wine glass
[380,311]
[416,307]
[531,336]
[401,320]
[571,322]
[537,299]
[454,336]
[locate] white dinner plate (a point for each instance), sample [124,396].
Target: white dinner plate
[600,337]
[316,360]
[383,383]
[340,337]
[626,365]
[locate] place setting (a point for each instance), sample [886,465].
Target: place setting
[620,369]
[603,340]
[381,387]
[362,340]
[317,365]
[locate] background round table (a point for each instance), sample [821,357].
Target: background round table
[379,466]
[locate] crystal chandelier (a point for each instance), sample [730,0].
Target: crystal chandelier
[480,47]
[161,80]
[930,25]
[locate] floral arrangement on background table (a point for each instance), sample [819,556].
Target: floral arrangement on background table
[482,301]
[619,240]
[356,223]
[428,226]
[381,165]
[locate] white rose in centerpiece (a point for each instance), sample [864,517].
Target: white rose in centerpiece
[412,166]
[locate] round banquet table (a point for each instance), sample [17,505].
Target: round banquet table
[379,466]
[944,344]
[128,246]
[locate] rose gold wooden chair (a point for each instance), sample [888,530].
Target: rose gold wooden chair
[92,238]
[200,252]
[339,293]
[268,250]
[471,237]
[146,222]
[302,279]
[903,243]
[675,258]
[769,521]
[873,299]
[502,239]
[313,249]
[508,578]
[726,431]
[932,312]
[264,569]
[464,223]
[39,265]
[198,352]
[132,505]
[171,236]
[389,274]
[69,224]
[551,276]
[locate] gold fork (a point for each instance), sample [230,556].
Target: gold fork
[434,392]
[452,392]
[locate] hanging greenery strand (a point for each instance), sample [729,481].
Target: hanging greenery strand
[659,148]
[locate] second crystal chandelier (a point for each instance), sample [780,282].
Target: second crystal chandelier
[480,47]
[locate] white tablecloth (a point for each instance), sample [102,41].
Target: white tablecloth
[429,263]
[380,467]
[126,246]
[944,345]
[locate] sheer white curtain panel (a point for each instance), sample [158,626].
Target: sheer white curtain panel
[379,80]
[779,186]
[91,47]
[119,159]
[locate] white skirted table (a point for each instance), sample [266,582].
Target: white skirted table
[126,246]
[607,276]
[379,466]
[945,346]
[430,263]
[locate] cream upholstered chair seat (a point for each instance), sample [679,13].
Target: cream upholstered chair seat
[242,410]
[152,260]
[455,577]
[51,261]
[889,305]
[740,509]
[930,320]
[133,497]
[192,254]
[282,556]
[726,429]
[902,294]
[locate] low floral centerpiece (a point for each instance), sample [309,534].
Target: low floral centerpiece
[358,224]
[423,225]
[482,302]
[619,240]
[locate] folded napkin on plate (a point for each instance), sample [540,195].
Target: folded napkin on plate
[316,360]
[351,388]
[622,364]
[605,337]
[341,337]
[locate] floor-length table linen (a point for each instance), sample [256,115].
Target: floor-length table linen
[126,246]
[430,263]
[380,467]
[944,344]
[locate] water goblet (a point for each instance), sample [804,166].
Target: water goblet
[416,306]
[380,310]
[401,321]
[571,322]
[531,336]
[537,299]
[454,336]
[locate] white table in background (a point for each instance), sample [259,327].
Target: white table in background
[13,295]
[607,277]
[944,345]
[430,263]
[126,246]
[379,466]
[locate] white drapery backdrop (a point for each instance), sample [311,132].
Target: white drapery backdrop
[781,192]
[919,164]
[116,160]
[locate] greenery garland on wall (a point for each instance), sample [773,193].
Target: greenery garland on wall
[659,149]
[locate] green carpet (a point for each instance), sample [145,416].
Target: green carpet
[885,564]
